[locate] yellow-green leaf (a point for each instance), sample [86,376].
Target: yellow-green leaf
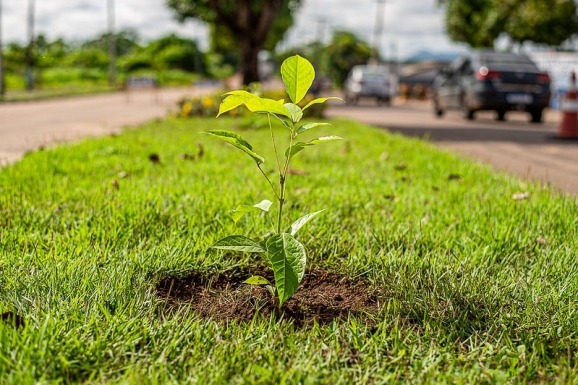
[300,146]
[321,100]
[257,280]
[237,141]
[268,105]
[298,75]
[234,99]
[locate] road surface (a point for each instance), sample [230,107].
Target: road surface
[529,151]
[28,126]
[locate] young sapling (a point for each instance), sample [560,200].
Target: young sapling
[285,253]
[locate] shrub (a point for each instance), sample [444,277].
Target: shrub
[209,105]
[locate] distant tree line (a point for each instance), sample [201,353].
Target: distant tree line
[479,23]
[58,61]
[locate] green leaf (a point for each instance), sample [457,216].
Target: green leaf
[298,75]
[257,280]
[299,223]
[242,210]
[234,99]
[286,124]
[309,126]
[295,111]
[321,100]
[237,141]
[299,146]
[267,105]
[238,243]
[264,205]
[288,259]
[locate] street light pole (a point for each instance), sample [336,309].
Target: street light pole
[30,48]
[378,31]
[321,22]
[111,44]
[2,81]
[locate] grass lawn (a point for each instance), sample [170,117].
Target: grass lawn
[51,93]
[479,280]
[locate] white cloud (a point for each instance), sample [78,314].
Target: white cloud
[409,25]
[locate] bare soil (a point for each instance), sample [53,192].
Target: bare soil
[322,297]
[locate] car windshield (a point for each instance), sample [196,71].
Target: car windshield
[373,77]
[504,58]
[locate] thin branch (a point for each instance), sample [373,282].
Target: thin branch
[274,144]
[269,180]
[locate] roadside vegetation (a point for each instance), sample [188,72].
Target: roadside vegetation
[69,68]
[65,68]
[476,272]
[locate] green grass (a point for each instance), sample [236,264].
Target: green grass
[58,92]
[478,287]
[70,81]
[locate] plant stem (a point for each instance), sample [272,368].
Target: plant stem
[281,201]
[283,179]
[274,144]
[269,180]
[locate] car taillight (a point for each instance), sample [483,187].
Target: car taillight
[485,74]
[543,78]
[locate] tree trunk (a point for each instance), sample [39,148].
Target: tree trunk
[251,27]
[249,60]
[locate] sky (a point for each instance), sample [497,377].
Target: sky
[408,26]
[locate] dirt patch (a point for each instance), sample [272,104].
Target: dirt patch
[323,297]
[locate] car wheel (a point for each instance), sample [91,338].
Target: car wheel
[536,116]
[439,112]
[467,112]
[384,101]
[501,115]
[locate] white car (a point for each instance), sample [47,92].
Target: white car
[369,81]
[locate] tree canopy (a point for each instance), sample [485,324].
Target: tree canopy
[345,51]
[247,26]
[480,22]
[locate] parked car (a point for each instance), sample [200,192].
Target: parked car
[369,81]
[495,81]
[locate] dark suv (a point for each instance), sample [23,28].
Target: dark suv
[495,81]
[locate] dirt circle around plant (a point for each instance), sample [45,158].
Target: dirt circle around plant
[323,297]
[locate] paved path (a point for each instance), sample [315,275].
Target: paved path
[27,126]
[520,148]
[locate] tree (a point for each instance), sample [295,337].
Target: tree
[251,24]
[479,22]
[167,52]
[345,51]
[126,42]
[474,22]
[544,22]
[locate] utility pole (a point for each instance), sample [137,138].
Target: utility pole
[30,48]
[321,23]
[378,31]
[111,45]
[2,81]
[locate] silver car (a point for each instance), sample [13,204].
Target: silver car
[367,81]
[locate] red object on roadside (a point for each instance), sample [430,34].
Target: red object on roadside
[569,107]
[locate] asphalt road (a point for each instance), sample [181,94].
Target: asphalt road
[530,151]
[30,125]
